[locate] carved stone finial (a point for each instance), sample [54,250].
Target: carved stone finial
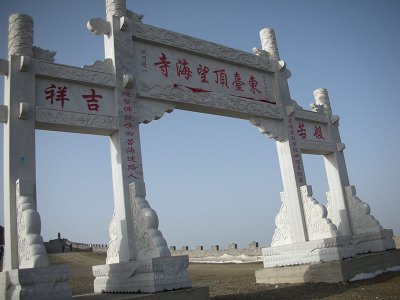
[321,98]
[268,42]
[115,8]
[20,35]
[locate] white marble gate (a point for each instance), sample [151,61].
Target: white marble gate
[147,72]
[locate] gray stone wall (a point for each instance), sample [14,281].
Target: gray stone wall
[200,252]
[64,245]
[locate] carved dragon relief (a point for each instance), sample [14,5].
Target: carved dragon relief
[274,129]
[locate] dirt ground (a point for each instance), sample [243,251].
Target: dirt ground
[237,281]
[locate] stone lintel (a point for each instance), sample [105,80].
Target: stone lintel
[67,121]
[316,147]
[311,116]
[152,34]
[81,75]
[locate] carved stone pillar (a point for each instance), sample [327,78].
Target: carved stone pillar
[292,174]
[303,232]
[138,258]
[268,43]
[350,215]
[19,131]
[26,274]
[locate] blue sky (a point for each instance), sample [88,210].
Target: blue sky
[216,180]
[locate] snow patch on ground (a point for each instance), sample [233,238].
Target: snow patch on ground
[226,259]
[363,276]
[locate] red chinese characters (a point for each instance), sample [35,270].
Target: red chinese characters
[58,94]
[243,83]
[318,133]
[222,78]
[253,85]
[163,64]
[203,71]
[182,69]
[296,154]
[237,82]
[92,100]
[301,131]
[129,141]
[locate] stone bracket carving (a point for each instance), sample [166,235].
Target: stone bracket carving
[335,119]
[359,212]
[282,234]
[274,129]
[3,67]
[123,23]
[315,214]
[149,241]
[99,26]
[3,113]
[340,146]
[23,110]
[152,110]
[127,81]
[31,250]
[24,63]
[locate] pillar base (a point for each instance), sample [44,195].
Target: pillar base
[332,272]
[374,241]
[330,249]
[41,283]
[147,276]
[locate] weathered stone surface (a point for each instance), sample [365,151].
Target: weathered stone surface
[148,276]
[39,283]
[334,271]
